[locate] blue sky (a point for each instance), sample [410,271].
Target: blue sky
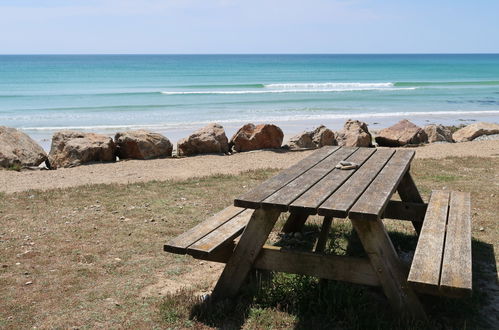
[253,26]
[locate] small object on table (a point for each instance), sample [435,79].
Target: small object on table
[345,165]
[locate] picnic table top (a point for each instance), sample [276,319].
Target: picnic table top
[315,186]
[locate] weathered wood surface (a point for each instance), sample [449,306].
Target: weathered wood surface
[180,243]
[253,198]
[223,234]
[373,201]
[398,210]
[389,269]
[316,195]
[340,202]
[241,261]
[425,269]
[294,189]
[408,192]
[456,278]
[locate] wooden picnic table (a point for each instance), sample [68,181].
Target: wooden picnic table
[316,185]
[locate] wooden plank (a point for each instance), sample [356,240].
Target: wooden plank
[315,196]
[223,234]
[338,204]
[295,222]
[253,198]
[425,269]
[409,193]
[390,271]
[373,201]
[180,243]
[241,261]
[294,189]
[340,268]
[456,279]
[320,246]
[398,210]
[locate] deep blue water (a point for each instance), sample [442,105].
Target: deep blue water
[169,93]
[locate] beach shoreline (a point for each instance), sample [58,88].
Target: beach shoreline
[134,171]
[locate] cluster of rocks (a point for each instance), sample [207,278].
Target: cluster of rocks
[71,148]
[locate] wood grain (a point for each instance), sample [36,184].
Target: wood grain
[316,195]
[425,268]
[294,189]
[252,198]
[408,192]
[456,278]
[338,204]
[180,243]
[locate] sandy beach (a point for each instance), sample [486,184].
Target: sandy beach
[182,168]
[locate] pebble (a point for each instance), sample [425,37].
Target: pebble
[28,283]
[481,229]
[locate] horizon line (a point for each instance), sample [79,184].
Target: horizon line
[202,54]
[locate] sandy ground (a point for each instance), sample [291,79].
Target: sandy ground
[182,168]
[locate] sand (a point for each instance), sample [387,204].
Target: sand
[182,168]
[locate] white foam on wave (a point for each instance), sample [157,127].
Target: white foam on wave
[330,85]
[330,116]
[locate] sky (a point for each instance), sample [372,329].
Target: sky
[252,26]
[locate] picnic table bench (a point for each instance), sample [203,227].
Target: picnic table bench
[317,185]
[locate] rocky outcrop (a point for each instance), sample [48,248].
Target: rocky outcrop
[354,134]
[471,132]
[142,144]
[206,140]
[321,136]
[438,133]
[402,133]
[18,149]
[251,137]
[71,148]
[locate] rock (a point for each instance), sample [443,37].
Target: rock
[321,136]
[473,131]
[18,149]
[141,144]
[438,133]
[71,148]
[209,139]
[251,137]
[354,134]
[402,133]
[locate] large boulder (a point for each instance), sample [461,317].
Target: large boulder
[251,137]
[18,149]
[142,144]
[354,134]
[470,132]
[206,140]
[71,148]
[438,133]
[321,136]
[402,133]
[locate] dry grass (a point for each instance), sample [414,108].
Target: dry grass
[92,257]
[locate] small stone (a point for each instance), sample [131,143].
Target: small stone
[117,259]
[18,263]
[28,283]
[481,229]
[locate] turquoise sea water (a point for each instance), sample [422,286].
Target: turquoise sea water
[177,93]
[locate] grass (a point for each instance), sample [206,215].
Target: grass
[92,257]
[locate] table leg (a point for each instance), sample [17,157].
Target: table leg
[409,193]
[240,263]
[295,222]
[386,264]
[322,240]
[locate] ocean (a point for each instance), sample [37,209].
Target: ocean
[175,94]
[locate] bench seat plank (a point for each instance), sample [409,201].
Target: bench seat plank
[373,201]
[310,200]
[456,279]
[338,204]
[294,189]
[253,198]
[425,269]
[180,243]
[222,235]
